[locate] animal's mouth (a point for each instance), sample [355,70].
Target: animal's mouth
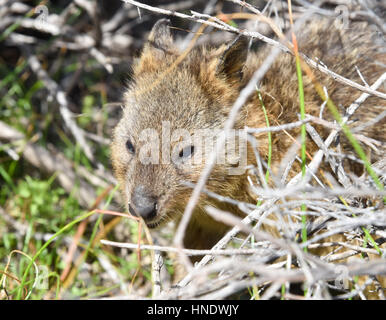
[156,222]
[153,224]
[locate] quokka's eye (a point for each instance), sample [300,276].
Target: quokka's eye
[130,146]
[186,152]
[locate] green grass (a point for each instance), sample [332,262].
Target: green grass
[44,209]
[355,144]
[303,134]
[36,200]
[58,233]
[269,158]
[48,209]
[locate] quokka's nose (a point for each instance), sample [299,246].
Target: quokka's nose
[143,203]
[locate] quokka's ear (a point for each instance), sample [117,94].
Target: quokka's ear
[233,59]
[160,39]
[160,35]
[158,45]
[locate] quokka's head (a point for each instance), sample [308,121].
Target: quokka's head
[175,99]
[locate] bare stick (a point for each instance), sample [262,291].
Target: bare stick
[60,96]
[189,252]
[157,264]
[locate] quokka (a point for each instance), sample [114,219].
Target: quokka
[198,92]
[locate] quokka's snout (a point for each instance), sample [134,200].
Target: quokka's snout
[143,203]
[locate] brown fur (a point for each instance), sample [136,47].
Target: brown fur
[199,92]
